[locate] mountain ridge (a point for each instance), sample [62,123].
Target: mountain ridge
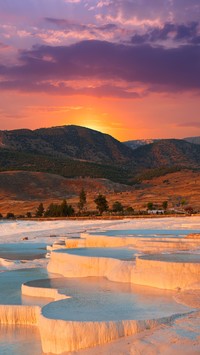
[67,142]
[136,143]
[72,151]
[168,153]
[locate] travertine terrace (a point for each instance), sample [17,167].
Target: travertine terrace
[133,268]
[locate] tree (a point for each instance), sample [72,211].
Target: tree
[70,210]
[183,202]
[150,206]
[189,210]
[82,200]
[1,216]
[56,210]
[101,203]
[130,210]
[10,215]
[165,205]
[40,210]
[65,209]
[52,210]
[29,215]
[117,207]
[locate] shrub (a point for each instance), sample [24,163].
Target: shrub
[101,203]
[117,207]
[10,215]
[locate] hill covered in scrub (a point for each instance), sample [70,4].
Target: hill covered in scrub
[73,151]
[22,192]
[72,142]
[194,140]
[136,143]
[167,153]
[25,185]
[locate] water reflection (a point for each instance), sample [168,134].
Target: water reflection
[20,340]
[98,299]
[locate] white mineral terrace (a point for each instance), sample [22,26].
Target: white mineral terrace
[91,285]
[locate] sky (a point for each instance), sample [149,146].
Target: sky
[129,68]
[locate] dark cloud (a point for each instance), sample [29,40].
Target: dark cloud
[186,31]
[46,68]
[176,32]
[68,25]
[63,89]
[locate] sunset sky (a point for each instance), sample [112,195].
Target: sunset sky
[130,68]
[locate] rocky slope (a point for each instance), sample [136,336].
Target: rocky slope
[67,142]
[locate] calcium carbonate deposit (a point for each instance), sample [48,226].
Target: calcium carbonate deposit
[100,287]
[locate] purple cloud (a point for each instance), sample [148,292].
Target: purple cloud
[176,10]
[69,25]
[51,69]
[170,31]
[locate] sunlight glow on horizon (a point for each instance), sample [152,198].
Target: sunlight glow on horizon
[125,68]
[124,119]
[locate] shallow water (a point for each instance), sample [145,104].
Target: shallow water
[169,233]
[175,257]
[116,253]
[98,299]
[11,281]
[19,340]
[23,251]
[92,298]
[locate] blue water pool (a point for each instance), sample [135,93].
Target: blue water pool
[115,253]
[98,299]
[23,250]
[153,233]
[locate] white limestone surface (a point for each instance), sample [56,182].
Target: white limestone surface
[166,275]
[147,244]
[180,337]
[48,231]
[60,336]
[41,231]
[18,314]
[95,303]
[70,265]
[145,271]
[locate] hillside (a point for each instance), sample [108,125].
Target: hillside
[174,187]
[194,140]
[13,161]
[167,153]
[55,163]
[136,143]
[72,151]
[38,186]
[22,191]
[67,142]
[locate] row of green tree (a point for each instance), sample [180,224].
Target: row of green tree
[55,210]
[66,210]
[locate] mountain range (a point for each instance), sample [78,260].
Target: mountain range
[73,151]
[67,142]
[136,143]
[50,164]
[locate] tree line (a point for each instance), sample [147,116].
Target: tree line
[64,209]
